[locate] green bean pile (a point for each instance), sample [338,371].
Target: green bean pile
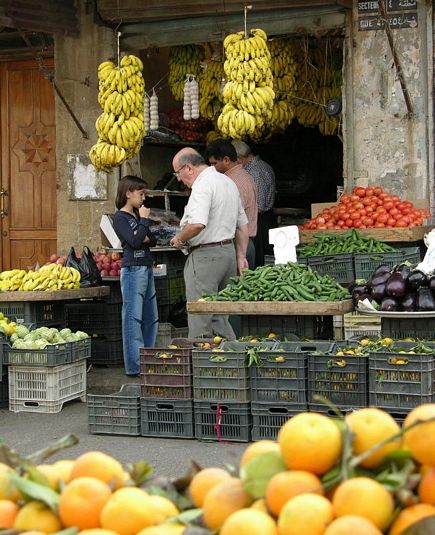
[284,282]
[350,242]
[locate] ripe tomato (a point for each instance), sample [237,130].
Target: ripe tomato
[377,191]
[357,223]
[369,191]
[367,221]
[388,205]
[379,225]
[382,218]
[367,201]
[359,191]
[395,198]
[354,198]
[391,222]
[383,195]
[345,199]
[401,223]
[393,211]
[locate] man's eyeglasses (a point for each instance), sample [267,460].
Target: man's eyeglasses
[175,173]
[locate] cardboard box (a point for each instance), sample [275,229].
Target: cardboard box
[108,234]
[318,207]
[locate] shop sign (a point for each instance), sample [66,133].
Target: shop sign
[396,21]
[372,6]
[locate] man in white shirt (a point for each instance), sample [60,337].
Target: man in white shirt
[213,222]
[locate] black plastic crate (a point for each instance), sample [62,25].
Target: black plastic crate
[95,318]
[4,391]
[397,328]
[173,259]
[115,295]
[290,327]
[106,352]
[343,380]
[170,289]
[38,313]
[171,418]
[401,381]
[281,376]
[339,267]
[166,373]
[367,263]
[163,312]
[268,418]
[115,414]
[222,421]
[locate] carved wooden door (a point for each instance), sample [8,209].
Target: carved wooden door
[28,166]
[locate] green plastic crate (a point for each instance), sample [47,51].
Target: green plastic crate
[367,263]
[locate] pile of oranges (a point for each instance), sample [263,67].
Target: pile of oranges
[327,485]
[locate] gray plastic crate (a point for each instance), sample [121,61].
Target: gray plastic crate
[367,263]
[224,376]
[171,418]
[268,418]
[288,327]
[4,391]
[38,313]
[401,381]
[115,414]
[224,421]
[339,267]
[107,352]
[397,328]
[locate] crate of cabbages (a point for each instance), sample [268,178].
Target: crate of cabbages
[46,346]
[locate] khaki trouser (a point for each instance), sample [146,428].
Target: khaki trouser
[208,270]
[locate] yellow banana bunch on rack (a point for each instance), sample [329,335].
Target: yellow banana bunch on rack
[210,102]
[121,125]
[248,93]
[183,60]
[49,277]
[318,80]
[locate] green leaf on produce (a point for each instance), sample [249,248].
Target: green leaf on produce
[257,472]
[423,527]
[194,530]
[186,517]
[36,491]
[67,531]
[139,472]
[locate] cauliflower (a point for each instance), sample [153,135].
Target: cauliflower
[22,331]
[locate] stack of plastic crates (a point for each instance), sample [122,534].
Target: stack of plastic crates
[166,391]
[288,327]
[222,390]
[4,387]
[36,313]
[103,322]
[115,414]
[279,386]
[42,380]
[338,373]
[170,289]
[399,380]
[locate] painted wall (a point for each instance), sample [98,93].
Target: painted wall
[382,145]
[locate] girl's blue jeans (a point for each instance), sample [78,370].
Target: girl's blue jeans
[140,319]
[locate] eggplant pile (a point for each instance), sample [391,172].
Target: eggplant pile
[401,289]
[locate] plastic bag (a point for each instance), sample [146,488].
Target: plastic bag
[72,260]
[88,269]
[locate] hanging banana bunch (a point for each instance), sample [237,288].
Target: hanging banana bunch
[210,103]
[121,125]
[183,60]
[283,67]
[248,93]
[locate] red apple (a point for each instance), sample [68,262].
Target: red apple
[61,260]
[99,266]
[116,256]
[53,258]
[104,273]
[113,273]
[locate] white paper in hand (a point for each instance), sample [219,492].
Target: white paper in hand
[284,241]
[428,263]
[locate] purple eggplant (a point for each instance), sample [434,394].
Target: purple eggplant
[404,269]
[431,283]
[395,286]
[409,302]
[380,270]
[416,279]
[425,300]
[381,278]
[389,304]
[378,292]
[358,291]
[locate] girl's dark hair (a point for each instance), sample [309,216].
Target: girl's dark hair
[128,183]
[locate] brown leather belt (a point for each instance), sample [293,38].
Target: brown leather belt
[212,244]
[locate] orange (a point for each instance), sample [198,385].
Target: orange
[97,531]
[286,485]
[352,525]
[370,426]
[310,441]
[7,490]
[82,501]
[410,516]
[421,439]
[249,522]
[51,474]
[37,516]
[8,512]
[99,465]
[223,500]
[128,511]
[32,533]
[205,480]
[164,529]
[260,505]
[63,469]
[307,514]
[258,448]
[163,508]
[362,496]
[426,489]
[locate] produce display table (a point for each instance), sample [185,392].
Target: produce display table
[400,234]
[272,308]
[59,295]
